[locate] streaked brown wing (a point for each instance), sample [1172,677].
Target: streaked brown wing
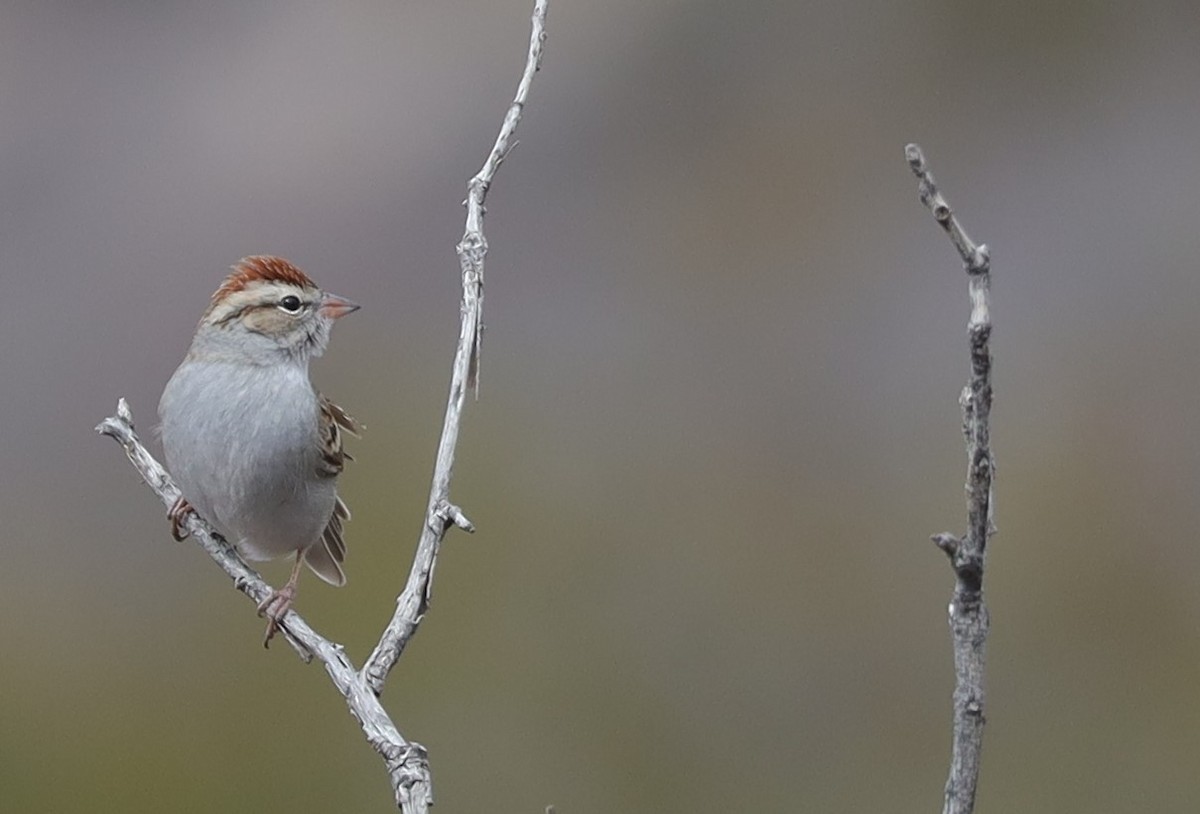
[334,420]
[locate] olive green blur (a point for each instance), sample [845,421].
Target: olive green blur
[718,415]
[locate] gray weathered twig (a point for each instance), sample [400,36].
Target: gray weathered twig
[968,612]
[406,761]
[442,514]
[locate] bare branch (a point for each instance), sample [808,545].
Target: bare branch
[968,612]
[413,602]
[406,761]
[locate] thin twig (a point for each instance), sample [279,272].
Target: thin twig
[968,612]
[406,761]
[413,602]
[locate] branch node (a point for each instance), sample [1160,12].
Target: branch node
[307,643]
[947,542]
[407,762]
[981,261]
[968,567]
[472,250]
[968,612]
[453,515]
[119,424]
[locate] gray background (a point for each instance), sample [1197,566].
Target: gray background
[718,419]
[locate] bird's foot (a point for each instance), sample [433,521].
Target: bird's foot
[178,512]
[275,607]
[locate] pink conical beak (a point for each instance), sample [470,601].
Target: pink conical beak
[333,306]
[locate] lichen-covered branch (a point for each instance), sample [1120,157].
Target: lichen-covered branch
[406,761]
[442,514]
[968,612]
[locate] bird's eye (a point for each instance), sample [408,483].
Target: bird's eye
[291,303]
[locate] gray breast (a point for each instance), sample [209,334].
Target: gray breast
[241,441]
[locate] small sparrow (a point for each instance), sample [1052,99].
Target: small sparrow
[255,450]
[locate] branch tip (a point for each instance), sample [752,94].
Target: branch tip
[916,159]
[968,612]
[981,260]
[407,762]
[462,522]
[465,372]
[118,423]
[947,542]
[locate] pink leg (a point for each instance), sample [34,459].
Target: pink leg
[179,510]
[279,602]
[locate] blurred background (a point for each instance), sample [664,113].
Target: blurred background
[718,419]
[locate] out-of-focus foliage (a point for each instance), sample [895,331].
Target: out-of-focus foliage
[718,417]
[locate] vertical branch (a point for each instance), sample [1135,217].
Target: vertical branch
[441,513]
[968,612]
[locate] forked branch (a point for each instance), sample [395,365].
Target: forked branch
[968,612]
[406,761]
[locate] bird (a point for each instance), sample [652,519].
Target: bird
[254,448]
